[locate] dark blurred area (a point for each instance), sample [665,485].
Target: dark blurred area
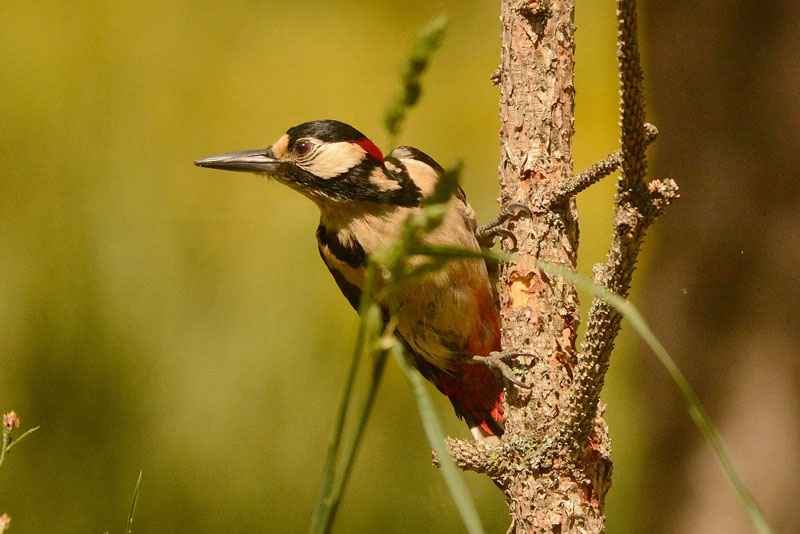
[723,284]
[177,320]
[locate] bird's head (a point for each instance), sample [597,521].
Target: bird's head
[328,161]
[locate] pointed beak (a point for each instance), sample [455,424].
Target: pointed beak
[261,161]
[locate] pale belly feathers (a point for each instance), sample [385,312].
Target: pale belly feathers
[447,316]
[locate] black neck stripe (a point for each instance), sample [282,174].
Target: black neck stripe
[351,253]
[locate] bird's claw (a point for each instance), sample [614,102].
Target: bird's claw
[515,208]
[490,232]
[496,360]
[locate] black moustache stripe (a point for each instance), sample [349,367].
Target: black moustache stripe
[354,184]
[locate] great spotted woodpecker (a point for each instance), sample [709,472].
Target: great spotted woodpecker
[448,319]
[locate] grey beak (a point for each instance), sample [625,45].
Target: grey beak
[262,161]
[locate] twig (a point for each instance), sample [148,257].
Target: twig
[637,203]
[571,187]
[478,457]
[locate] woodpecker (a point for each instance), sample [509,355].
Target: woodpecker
[448,319]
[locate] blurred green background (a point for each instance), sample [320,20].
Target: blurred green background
[162,317]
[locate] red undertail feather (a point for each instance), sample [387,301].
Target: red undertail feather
[474,387]
[475,393]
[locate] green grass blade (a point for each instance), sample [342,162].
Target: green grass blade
[338,465]
[427,42]
[21,437]
[129,527]
[331,486]
[435,434]
[350,454]
[322,509]
[455,253]
[696,410]
[7,442]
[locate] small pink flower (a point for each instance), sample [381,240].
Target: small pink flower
[10,421]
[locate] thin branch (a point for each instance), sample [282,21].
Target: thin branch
[634,162]
[637,203]
[571,187]
[695,408]
[471,456]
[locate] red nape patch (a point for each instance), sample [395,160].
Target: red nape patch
[371,149]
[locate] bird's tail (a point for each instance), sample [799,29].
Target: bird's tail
[477,397]
[472,388]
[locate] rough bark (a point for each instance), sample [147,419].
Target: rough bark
[554,461]
[551,489]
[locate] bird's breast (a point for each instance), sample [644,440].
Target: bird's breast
[447,315]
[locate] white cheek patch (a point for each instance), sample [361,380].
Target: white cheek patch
[333,159]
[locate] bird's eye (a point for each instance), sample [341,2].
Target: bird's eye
[301,148]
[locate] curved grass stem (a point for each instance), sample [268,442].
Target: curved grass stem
[696,410]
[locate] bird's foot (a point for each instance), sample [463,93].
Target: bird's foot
[496,361]
[494,230]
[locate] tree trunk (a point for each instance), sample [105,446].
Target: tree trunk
[540,314]
[554,460]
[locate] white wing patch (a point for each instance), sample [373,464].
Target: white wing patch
[379,179]
[422,174]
